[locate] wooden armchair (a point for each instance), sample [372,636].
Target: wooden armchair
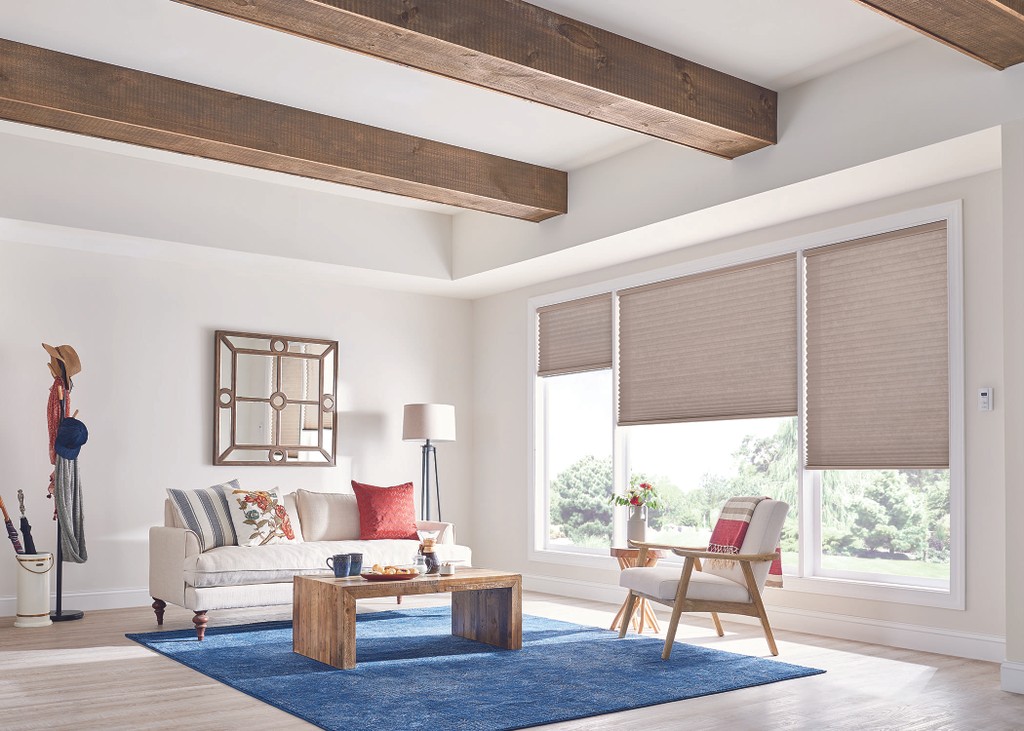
[725,583]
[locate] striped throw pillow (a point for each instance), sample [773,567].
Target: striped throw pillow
[205,512]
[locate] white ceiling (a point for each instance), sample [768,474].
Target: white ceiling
[776,43]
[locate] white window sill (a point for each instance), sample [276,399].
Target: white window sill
[848,588]
[570,557]
[876,591]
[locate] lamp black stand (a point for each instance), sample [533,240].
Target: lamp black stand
[429,450]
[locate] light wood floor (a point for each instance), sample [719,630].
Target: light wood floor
[85,675]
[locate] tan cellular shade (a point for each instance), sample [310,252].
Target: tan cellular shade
[716,345]
[878,352]
[575,336]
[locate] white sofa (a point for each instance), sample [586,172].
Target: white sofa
[231,577]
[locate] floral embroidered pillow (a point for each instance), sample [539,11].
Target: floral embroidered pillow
[259,517]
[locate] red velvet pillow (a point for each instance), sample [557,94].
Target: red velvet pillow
[385,512]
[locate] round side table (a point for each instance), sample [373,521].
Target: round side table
[643,613]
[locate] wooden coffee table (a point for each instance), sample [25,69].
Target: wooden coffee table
[487,606]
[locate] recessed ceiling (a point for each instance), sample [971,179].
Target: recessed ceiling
[775,43]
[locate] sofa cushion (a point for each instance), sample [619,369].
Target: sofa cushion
[205,512]
[385,512]
[328,516]
[259,516]
[237,565]
[291,504]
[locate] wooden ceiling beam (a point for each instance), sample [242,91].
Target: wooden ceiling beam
[990,31]
[529,52]
[73,94]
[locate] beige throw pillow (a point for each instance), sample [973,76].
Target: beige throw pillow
[328,516]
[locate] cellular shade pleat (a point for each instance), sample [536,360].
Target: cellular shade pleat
[575,336]
[877,372]
[715,345]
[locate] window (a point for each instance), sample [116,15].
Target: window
[578,460]
[697,466]
[825,376]
[886,525]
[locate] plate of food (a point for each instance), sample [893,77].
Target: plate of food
[390,573]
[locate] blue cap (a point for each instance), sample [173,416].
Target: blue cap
[71,435]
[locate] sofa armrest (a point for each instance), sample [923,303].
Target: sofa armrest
[168,549]
[447,530]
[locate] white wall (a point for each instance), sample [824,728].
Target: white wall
[1013,399]
[80,182]
[501,456]
[144,330]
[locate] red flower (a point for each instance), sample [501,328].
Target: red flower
[646,486]
[635,500]
[280,511]
[261,501]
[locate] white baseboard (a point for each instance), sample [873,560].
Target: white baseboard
[1011,677]
[991,648]
[87,600]
[575,588]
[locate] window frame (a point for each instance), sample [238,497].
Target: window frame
[810,578]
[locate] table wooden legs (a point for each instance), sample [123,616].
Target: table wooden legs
[324,626]
[643,614]
[491,616]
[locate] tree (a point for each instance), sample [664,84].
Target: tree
[767,465]
[892,516]
[579,501]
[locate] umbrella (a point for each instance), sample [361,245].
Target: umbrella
[11,533]
[26,529]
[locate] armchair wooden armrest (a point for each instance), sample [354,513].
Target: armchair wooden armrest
[703,553]
[645,546]
[660,546]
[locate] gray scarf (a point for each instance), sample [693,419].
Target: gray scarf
[67,491]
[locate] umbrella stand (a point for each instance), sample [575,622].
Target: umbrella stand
[60,614]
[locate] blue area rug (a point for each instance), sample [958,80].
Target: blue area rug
[413,674]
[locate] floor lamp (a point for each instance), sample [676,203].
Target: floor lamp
[430,423]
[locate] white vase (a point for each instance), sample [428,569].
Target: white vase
[636,526]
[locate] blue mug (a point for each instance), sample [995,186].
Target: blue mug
[341,563]
[356,564]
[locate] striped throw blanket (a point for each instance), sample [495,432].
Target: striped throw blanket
[731,529]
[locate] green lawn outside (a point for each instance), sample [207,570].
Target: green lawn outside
[920,569]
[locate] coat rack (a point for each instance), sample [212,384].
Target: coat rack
[60,614]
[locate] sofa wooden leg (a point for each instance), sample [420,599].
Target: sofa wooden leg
[200,621]
[158,608]
[399,599]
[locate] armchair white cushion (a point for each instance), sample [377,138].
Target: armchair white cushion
[730,583]
[661,583]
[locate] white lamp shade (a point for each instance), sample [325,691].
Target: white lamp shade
[435,422]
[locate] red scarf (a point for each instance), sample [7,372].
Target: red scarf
[53,419]
[731,529]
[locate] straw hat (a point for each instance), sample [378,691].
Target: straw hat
[63,354]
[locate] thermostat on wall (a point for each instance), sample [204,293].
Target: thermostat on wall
[985,399]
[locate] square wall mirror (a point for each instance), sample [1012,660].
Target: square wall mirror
[274,400]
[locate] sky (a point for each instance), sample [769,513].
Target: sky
[580,412]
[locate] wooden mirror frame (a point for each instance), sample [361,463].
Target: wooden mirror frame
[226,399]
